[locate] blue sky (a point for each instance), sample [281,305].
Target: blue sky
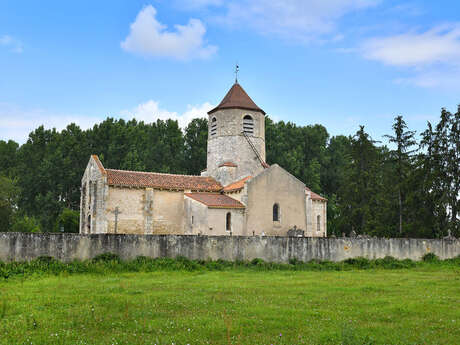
[340,63]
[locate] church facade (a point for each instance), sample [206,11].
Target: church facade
[237,194]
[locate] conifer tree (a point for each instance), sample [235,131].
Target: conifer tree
[358,194]
[442,159]
[404,140]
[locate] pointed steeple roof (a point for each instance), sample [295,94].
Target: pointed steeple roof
[237,98]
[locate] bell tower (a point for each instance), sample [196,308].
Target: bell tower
[236,138]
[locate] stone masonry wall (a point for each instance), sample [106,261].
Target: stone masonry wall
[66,247]
[229,145]
[275,186]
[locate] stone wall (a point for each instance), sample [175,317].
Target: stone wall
[94,191]
[275,186]
[65,247]
[229,145]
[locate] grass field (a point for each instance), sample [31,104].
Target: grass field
[419,305]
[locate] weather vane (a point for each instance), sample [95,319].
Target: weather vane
[237,69]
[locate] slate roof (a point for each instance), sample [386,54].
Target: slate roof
[235,186]
[315,196]
[237,98]
[213,200]
[127,178]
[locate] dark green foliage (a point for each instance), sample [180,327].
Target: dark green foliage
[68,221]
[430,257]
[441,174]
[8,196]
[8,158]
[106,257]
[25,224]
[358,262]
[196,142]
[401,159]
[358,196]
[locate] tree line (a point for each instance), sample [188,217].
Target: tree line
[410,188]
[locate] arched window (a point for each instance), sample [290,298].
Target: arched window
[248,124]
[213,126]
[318,223]
[276,213]
[228,222]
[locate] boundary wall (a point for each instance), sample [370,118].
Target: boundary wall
[67,247]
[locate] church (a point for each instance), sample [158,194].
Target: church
[238,194]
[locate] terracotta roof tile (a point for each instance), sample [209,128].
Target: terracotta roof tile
[228,164]
[213,200]
[232,187]
[163,181]
[237,98]
[315,196]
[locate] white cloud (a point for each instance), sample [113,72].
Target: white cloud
[149,37]
[432,57]
[293,19]
[438,45]
[446,78]
[150,111]
[12,44]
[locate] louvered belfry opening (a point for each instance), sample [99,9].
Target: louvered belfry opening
[213,126]
[248,125]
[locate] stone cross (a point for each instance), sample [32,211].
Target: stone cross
[117,212]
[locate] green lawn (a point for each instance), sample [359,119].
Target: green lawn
[410,306]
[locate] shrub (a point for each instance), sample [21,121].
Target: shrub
[257,262]
[390,262]
[295,261]
[358,262]
[106,257]
[430,257]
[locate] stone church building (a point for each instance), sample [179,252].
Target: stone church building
[238,194]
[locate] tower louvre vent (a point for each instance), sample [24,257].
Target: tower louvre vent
[248,125]
[213,126]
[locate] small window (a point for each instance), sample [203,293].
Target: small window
[95,196]
[90,194]
[318,223]
[213,126]
[192,219]
[248,125]
[89,224]
[276,213]
[228,223]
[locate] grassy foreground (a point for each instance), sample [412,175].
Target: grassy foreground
[419,305]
